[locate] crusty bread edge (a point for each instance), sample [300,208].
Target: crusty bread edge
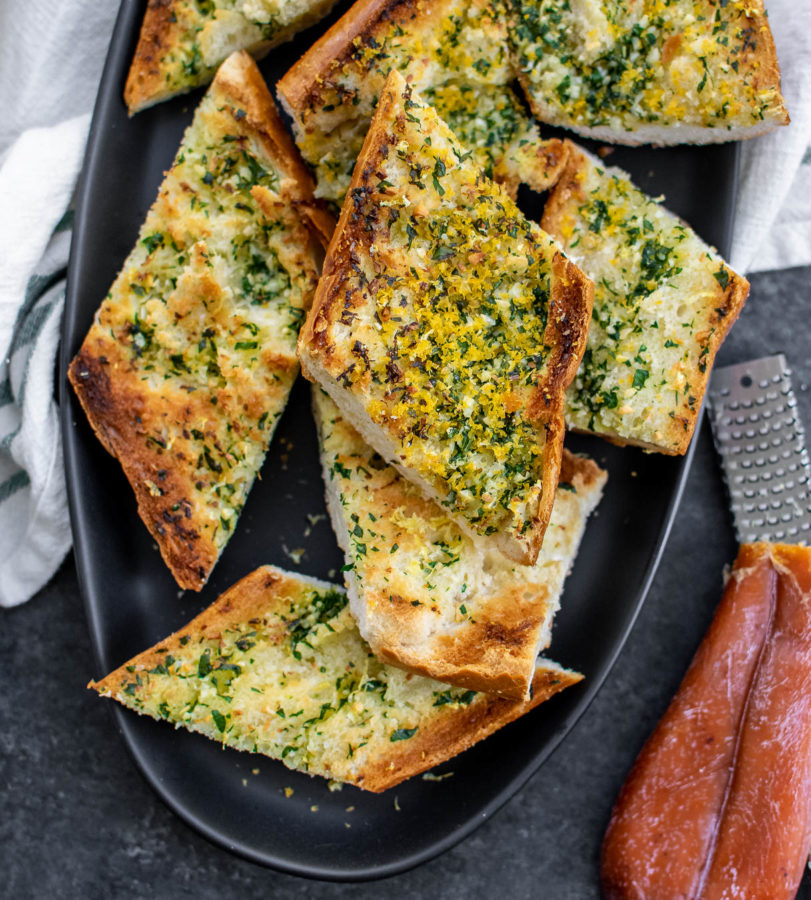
[145,85]
[242,84]
[457,733]
[297,85]
[240,603]
[567,329]
[188,554]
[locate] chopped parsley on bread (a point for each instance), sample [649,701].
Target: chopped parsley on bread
[182,42]
[191,356]
[663,303]
[426,595]
[446,327]
[276,666]
[454,52]
[650,71]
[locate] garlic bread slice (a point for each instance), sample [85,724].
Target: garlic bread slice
[446,327]
[276,666]
[189,362]
[426,595]
[454,52]
[650,71]
[182,42]
[663,303]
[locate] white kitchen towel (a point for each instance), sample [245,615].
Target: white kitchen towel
[35,232]
[773,211]
[51,56]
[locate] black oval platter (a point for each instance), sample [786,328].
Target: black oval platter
[132,601]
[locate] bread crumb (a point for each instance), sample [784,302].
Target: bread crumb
[244,782]
[254,771]
[604,151]
[313,521]
[397,804]
[350,809]
[295,555]
[429,776]
[335,785]
[288,792]
[314,807]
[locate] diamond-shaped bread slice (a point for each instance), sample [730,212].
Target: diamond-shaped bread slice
[426,595]
[650,71]
[663,303]
[454,52]
[276,666]
[191,357]
[183,41]
[447,327]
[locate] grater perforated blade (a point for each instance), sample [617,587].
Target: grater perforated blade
[761,442]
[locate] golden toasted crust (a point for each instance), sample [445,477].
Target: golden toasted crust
[159,31]
[430,598]
[566,331]
[325,344]
[679,354]
[250,598]
[117,416]
[301,87]
[259,607]
[169,58]
[698,72]
[331,92]
[241,84]
[158,430]
[453,734]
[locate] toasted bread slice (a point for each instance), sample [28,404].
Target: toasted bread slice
[456,55]
[182,42]
[191,356]
[663,303]
[650,71]
[427,596]
[447,327]
[276,666]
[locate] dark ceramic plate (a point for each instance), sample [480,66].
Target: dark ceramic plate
[132,601]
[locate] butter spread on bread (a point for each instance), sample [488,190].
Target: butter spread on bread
[183,41]
[191,356]
[650,71]
[446,326]
[663,303]
[426,595]
[276,666]
[454,52]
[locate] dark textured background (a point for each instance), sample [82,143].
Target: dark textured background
[78,820]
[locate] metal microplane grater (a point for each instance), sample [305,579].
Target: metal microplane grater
[761,441]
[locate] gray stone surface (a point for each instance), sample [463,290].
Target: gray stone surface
[79,821]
